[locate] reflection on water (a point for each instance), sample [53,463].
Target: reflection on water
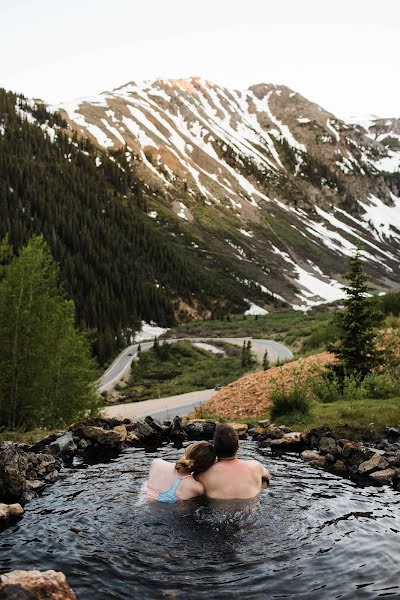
[310,535]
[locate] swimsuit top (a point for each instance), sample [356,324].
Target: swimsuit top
[169,496]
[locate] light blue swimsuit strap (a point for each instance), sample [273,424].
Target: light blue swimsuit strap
[169,496]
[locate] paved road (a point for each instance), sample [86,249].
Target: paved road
[164,409]
[121,365]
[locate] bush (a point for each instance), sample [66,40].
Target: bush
[294,401]
[326,389]
[380,387]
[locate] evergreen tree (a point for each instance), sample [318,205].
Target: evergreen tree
[265,362]
[46,373]
[156,346]
[356,350]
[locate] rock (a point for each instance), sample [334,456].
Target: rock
[200,429]
[10,511]
[394,460]
[35,485]
[143,431]
[264,423]
[293,439]
[327,445]
[355,453]
[274,433]
[329,459]
[240,428]
[132,439]
[177,433]
[314,436]
[46,585]
[13,468]
[392,433]
[383,477]
[122,432]
[376,463]
[285,429]
[15,511]
[157,426]
[100,438]
[314,457]
[339,467]
[64,446]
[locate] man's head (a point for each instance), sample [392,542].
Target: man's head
[226,441]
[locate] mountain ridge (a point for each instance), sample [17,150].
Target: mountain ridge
[246,166]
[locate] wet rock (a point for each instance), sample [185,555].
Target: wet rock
[177,433]
[384,476]
[285,429]
[157,426]
[35,485]
[46,585]
[394,460]
[327,445]
[355,453]
[143,431]
[289,441]
[10,511]
[132,439]
[329,459]
[122,432]
[100,438]
[314,436]
[376,463]
[392,434]
[200,429]
[314,457]
[240,428]
[339,467]
[13,468]
[64,446]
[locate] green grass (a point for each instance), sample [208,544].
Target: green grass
[295,329]
[25,437]
[361,418]
[181,368]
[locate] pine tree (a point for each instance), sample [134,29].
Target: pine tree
[46,373]
[356,350]
[156,346]
[265,362]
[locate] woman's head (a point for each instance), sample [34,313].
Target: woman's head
[198,457]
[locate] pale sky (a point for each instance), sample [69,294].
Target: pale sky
[342,54]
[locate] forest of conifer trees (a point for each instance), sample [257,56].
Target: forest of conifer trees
[117,265]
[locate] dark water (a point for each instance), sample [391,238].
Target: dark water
[311,535]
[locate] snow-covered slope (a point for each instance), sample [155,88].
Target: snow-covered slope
[262,177]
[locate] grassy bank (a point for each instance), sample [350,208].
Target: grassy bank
[303,332]
[180,368]
[363,419]
[25,437]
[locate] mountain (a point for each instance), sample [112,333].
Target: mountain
[118,264]
[264,182]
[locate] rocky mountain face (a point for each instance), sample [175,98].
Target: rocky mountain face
[267,185]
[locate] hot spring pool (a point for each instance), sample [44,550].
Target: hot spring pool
[311,535]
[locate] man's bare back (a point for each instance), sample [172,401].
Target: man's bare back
[234,479]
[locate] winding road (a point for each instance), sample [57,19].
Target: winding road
[183,404]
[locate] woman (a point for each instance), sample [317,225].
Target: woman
[169,482]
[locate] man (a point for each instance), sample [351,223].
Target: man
[230,477]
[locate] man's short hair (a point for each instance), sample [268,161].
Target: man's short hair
[226,441]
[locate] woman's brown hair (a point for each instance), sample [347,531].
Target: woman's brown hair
[198,457]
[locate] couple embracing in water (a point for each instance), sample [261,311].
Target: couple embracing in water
[210,469]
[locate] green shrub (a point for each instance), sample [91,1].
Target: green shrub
[381,386]
[353,388]
[326,389]
[294,401]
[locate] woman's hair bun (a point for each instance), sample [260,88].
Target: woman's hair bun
[184,463]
